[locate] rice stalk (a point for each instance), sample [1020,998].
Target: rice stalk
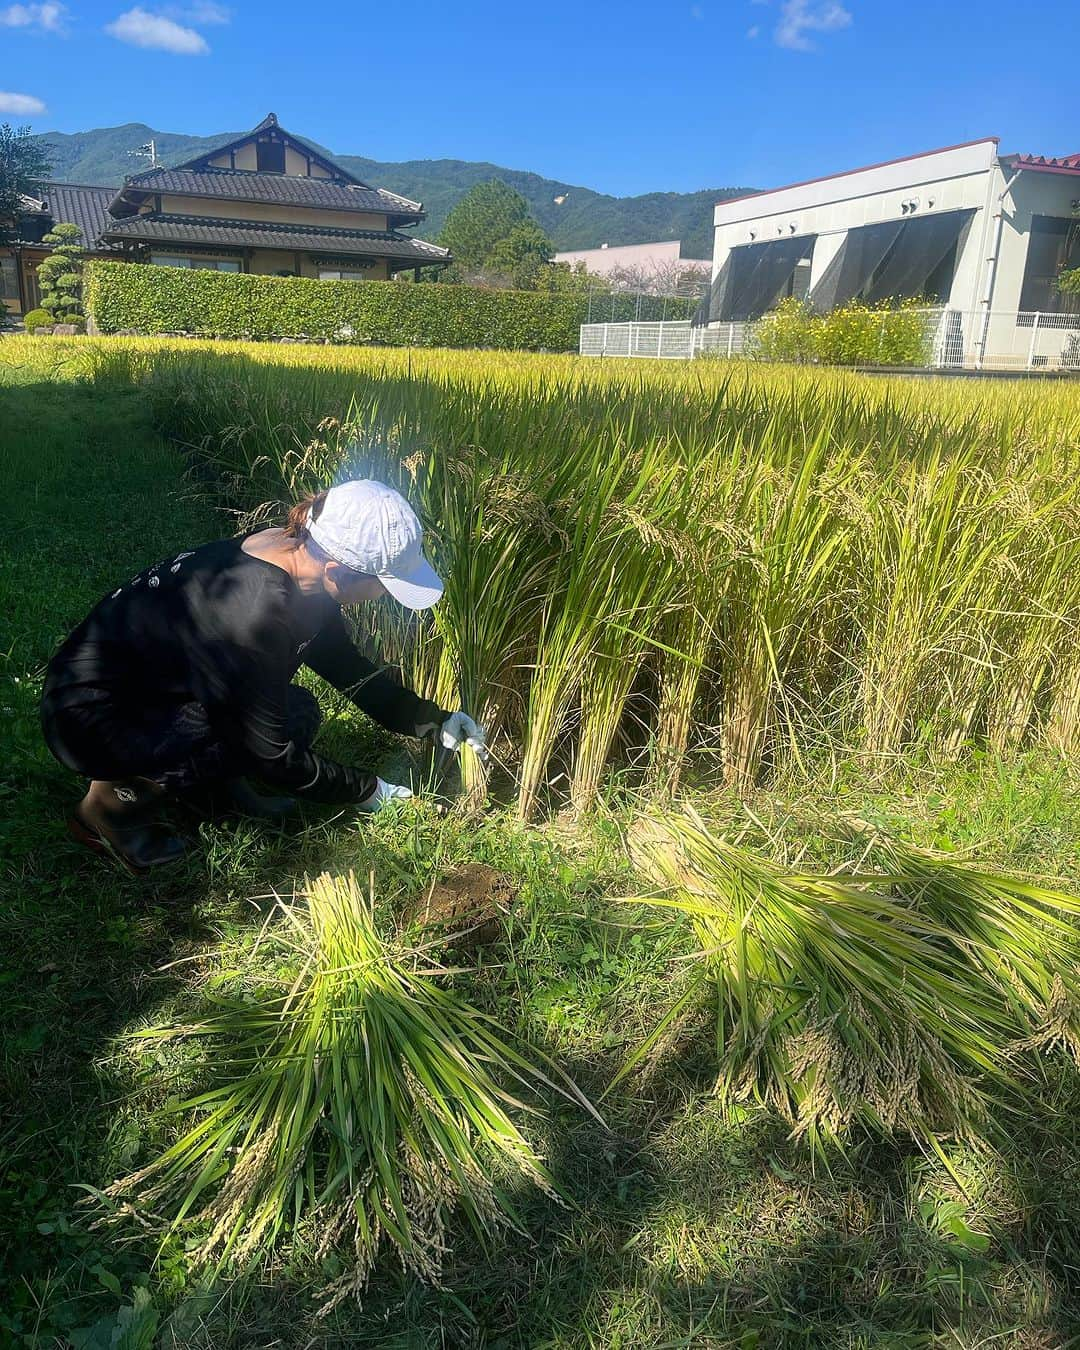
[368,1103]
[836,1005]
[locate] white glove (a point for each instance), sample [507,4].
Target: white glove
[384,793]
[460,727]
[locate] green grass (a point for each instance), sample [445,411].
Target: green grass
[687,1225]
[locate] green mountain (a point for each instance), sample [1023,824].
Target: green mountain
[583,219]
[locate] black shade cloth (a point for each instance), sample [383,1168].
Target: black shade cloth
[892,260]
[850,271]
[918,252]
[759,276]
[712,302]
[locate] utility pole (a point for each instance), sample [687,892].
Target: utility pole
[147,151]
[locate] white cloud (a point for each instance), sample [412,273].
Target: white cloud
[142,29]
[203,12]
[22,105]
[48,17]
[800,17]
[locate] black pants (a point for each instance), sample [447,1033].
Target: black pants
[175,744]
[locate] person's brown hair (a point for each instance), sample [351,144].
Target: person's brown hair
[296,524]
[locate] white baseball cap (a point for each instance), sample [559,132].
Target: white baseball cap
[370,527]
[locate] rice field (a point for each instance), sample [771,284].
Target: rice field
[714,566]
[782,675]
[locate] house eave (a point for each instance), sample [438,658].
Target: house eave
[132,196]
[172,232]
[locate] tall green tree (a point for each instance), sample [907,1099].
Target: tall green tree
[521,257]
[484,216]
[24,164]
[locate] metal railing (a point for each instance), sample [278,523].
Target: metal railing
[673,341]
[955,339]
[1005,340]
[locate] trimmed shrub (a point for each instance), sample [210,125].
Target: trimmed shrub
[37,318]
[60,274]
[886,334]
[151,300]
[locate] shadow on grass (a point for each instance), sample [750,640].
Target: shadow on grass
[685,1226]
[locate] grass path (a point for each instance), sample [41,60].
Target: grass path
[688,1227]
[92,495]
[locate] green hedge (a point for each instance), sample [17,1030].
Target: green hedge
[149,300]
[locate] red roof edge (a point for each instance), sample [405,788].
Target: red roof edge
[1064,164]
[863,168]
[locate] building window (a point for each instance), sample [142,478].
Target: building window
[335,274]
[206,264]
[9,278]
[799,286]
[1053,248]
[270,156]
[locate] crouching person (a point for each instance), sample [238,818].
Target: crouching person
[179,683]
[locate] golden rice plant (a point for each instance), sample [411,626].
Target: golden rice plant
[1021,937]
[363,1102]
[834,1004]
[896,997]
[657,559]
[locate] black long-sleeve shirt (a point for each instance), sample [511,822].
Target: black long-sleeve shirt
[229,630]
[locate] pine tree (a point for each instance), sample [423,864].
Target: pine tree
[486,214]
[522,256]
[24,164]
[60,274]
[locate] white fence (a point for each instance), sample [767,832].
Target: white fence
[677,340]
[999,340]
[957,340]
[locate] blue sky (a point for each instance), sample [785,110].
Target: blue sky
[625,98]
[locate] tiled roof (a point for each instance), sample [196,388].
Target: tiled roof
[176,229]
[87,207]
[1068,164]
[245,186]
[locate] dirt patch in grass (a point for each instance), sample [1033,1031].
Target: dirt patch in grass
[467,907]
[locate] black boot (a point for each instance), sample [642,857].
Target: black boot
[121,818]
[235,797]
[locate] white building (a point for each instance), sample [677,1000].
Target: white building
[656,268]
[979,234]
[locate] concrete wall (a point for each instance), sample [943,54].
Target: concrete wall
[1031,194]
[608,259]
